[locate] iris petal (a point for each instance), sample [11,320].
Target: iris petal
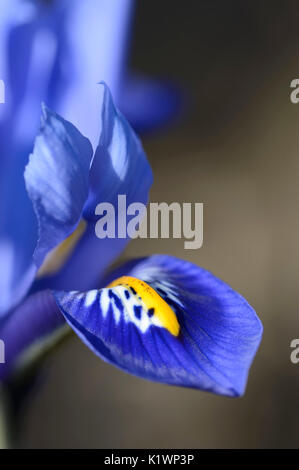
[213,348]
[57,181]
[35,326]
[119,167]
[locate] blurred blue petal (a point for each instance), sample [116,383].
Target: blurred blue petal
[146,103]
[119,166]
[57,181]
[150,104]
[35,326]
[211,346]
[26,59]
[94,48]
[14,14]
[16,276]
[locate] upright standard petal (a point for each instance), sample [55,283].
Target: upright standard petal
[170,321]
[119,167]
[57,181]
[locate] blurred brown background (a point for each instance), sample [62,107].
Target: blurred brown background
[237,150]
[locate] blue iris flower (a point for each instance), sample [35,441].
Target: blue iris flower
[56,51]
[159,317]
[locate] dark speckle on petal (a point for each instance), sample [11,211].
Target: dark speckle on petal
[137,311]
[151,312]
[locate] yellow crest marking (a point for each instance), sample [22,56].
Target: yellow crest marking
[152,300]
